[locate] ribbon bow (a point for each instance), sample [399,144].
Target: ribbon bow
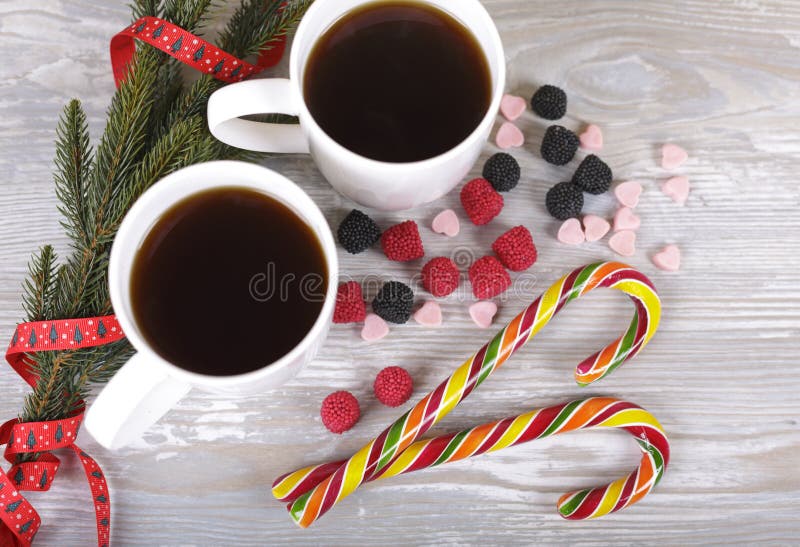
[20,519]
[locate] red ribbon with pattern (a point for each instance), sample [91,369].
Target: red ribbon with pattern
[20,519]
[188,49]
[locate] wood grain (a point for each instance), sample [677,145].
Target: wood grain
[720,78]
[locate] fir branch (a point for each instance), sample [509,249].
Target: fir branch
[240,36]
[259,22]
[126,131]
[286,22]
[189,14]
[82,284]
[251,26]
[37,299]
[73,163]
[143,8]
[175,150]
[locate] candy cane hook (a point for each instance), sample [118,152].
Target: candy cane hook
[313,498]
[595,412]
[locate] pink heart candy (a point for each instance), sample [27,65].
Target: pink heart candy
[626,219]
[673,156]
[483,312]
[591,138]
[595,227]
[627,193]
[429,315]
[374,329]
[668,259]
[623,243]
[571,232]
[512,107]
[677,188]
[509,136]
[446,223]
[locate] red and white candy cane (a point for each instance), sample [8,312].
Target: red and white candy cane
[596,412]
[313,494]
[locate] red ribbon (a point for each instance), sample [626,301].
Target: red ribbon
[188,49]
[19,517]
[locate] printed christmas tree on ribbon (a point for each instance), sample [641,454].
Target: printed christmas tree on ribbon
[11,507]
[43,480]
[18,476]
[53,334]
[32,339]
[24,528]
[31,439]
[78,337]
[101,329]
[199,53]
[176,46]
[59,434]
[158,31]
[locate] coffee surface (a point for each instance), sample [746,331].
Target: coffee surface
[227,281]
[397,81]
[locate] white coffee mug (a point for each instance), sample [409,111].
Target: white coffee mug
[147,386]
[382,185]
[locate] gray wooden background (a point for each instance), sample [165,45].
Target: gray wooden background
[720,78]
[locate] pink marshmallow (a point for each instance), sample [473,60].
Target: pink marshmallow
[509,136]
[591,138]
[512,107]
[429,315]
[446,223]
[571,233]
[626,219]
[374,329]
[595,227]
[483,312]
[673,156]
[669,258]
[623,243]
[677,188]
[627,193]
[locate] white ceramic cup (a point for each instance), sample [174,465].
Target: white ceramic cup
[147,386]
[382,185]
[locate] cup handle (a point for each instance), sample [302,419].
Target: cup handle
[136,397]
[227,105]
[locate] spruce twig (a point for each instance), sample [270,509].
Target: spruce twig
[37,298]
[73,163]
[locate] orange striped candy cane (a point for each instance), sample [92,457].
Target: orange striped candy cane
[595,412]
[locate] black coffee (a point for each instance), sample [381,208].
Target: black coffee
[397,81]
[227,281]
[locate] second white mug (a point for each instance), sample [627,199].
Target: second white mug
[381,185]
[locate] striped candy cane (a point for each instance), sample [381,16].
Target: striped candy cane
[602,412]
[315,494]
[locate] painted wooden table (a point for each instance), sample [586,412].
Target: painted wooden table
[720,78]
